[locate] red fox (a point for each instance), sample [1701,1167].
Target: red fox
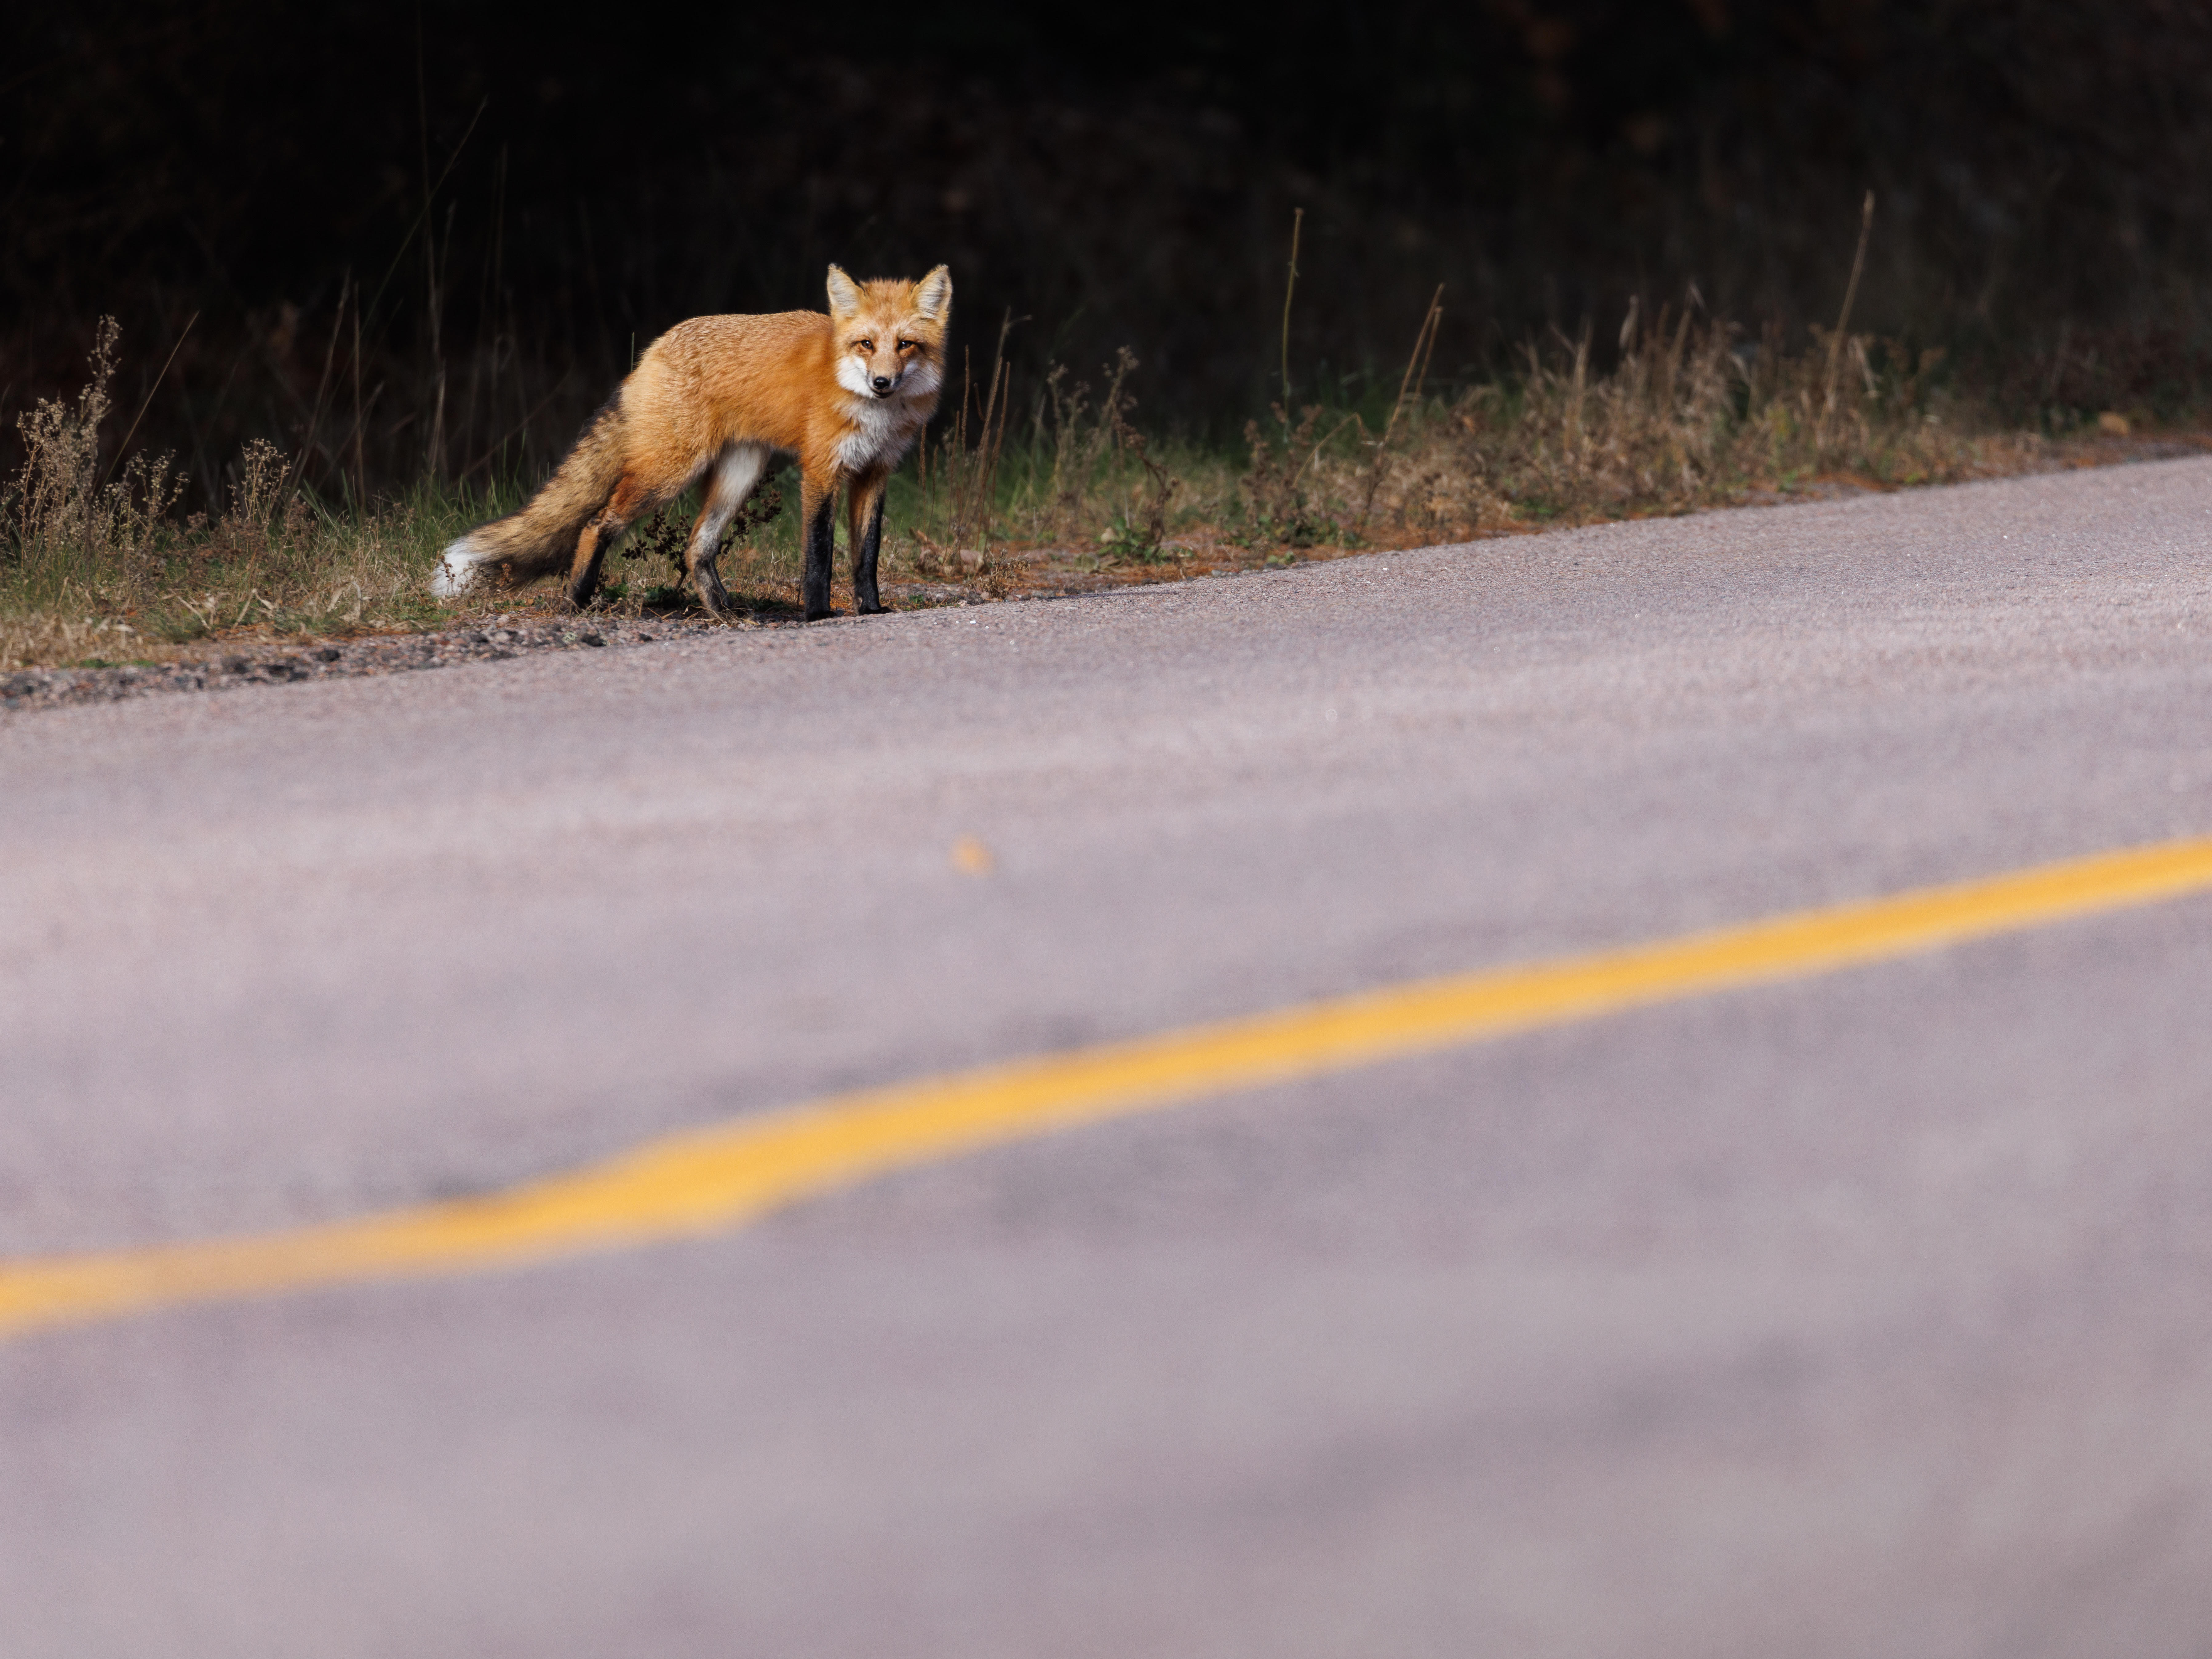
[719,398]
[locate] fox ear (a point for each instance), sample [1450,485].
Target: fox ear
[844,293]
[932,294]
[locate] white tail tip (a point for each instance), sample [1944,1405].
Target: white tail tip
[457,569]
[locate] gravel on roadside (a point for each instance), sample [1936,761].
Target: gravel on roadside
[267,664]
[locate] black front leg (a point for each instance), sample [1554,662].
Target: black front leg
[864,597]
[821,542]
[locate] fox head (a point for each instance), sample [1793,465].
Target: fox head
[891,334]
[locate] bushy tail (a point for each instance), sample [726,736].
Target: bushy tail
[541,538]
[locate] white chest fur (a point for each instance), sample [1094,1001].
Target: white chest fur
[882,430]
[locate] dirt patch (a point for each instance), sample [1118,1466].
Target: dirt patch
[247,662]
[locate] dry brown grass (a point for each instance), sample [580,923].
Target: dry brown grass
[1687,414]
[1688,418]
[101,569]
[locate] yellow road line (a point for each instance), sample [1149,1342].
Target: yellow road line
[706,1180]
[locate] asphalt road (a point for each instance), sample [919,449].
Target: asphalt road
[1859,1315]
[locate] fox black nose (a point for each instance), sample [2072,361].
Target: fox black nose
[882,383]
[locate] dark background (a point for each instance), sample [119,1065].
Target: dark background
[1107,175]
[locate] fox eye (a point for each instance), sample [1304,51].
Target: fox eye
[906,345]
[864,345]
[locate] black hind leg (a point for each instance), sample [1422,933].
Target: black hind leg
[599,536]
[591,558]
[735,473]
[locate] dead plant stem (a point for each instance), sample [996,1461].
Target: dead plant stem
[1424,343]
[315,410]
[1843,323]
[124,446]
[1290,287]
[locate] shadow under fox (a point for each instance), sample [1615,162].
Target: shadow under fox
[721,399]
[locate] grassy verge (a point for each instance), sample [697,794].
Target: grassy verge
[1056,491]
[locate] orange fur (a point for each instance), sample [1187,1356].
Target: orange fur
[720,398]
